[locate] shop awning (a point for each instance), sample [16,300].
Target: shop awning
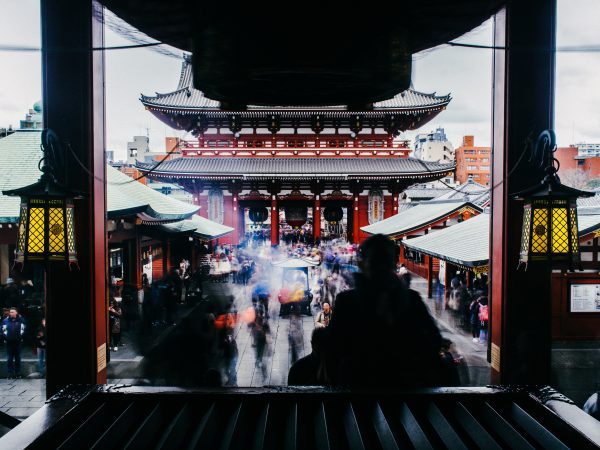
[467,244]
[199,227]
[295,263]
[421,216]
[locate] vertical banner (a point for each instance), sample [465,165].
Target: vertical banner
[375,206]
[215,205]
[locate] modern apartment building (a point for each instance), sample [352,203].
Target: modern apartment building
[472,161]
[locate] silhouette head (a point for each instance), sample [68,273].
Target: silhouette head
[378,256]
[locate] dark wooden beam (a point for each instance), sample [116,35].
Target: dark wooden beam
[73,95]
[523,106]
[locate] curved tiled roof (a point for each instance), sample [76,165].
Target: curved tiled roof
[420,216]
[20,153]
[125,196]
[186,97]
[301,167]
[466,243]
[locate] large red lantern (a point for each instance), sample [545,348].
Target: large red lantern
[295,216]
[258,214]
[333,214]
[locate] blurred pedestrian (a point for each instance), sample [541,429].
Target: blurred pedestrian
[230,358]
[13,329]
[312,369]
[323,317]
[295,334]
[114,318]
[40,343]
[474,319]
[259,338]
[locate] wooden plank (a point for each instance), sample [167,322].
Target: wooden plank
[413,429]
[383,430]
[535,429]
[505,430]
[443,428]
[355,441]
[474,429]
[205,427]
[321,432]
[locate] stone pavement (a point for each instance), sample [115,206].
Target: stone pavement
[21,398]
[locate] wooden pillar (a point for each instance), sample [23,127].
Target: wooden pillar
[402,251]
[523,106]
[355,220]
[241,232]
[235,218]
[447,280]
[136,260]
[429,262]
[73,98]
[166,257]
[317,217]
[274,221]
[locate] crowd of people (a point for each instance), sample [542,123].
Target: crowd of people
[469,306]
[362,318]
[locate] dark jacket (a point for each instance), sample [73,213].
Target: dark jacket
[13,329]
[382,335]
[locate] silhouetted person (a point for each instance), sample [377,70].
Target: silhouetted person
[381,332]
[311,370]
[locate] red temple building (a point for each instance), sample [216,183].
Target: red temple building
[325,170]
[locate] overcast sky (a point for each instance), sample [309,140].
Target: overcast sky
[463,72]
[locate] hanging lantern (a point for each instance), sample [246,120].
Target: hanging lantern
[46,218]
[333,214]
[550,230]
[258,214]
[295,216]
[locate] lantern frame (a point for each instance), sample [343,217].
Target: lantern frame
[549,229]
[47,214]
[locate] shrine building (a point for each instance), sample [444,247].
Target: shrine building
[327,171]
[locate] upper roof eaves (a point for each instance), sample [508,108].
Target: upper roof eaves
[186,97]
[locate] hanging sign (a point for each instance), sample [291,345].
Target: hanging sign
[375,206]
[215,205]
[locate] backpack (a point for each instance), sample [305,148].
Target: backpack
[483,313]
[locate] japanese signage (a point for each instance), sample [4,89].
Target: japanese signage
[101,358]
[375,206]
[585,298]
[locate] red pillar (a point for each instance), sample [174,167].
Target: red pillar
[274,221]
[429,262]
[355,220]
[137,260]
[402,250]
[317,217]
[388,210]
[235,219]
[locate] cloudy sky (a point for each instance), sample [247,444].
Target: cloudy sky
[463,72]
